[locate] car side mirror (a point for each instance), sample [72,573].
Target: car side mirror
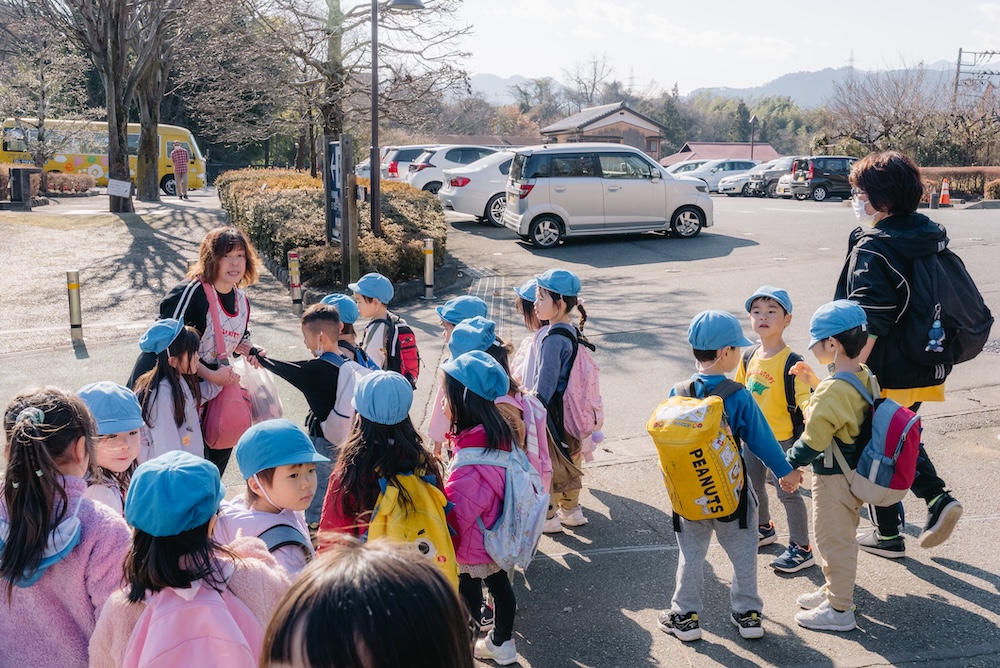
[654,175]
[715,169]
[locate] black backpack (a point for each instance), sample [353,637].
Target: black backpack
[798,420]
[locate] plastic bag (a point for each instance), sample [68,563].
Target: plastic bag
[265,404]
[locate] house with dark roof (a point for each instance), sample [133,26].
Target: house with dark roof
[614,123]
[722,150]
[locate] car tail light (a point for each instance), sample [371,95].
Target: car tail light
[418,166]
[394,169]
[524,189]
[810,170]
[458,182]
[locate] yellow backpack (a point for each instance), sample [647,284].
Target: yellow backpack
[701,462]
[419,523]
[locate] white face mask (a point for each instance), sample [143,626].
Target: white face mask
[859,212]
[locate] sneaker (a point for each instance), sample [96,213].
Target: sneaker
[486,619]
[766,534]
[813,599]
[749,624]
[942,515]
[572,518]
[552,525]
[890,548]
[504,654]
[685,627]
[793,560]
[824,618]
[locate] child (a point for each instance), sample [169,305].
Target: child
[715,339]
[765,376]
[221,597]
[383,444]
[317,380]
[474,381]
[838,334]
[523,365]
[278,461]
[170,393]
[60,553]
[458,309]
[118,415]
[375,605]
[556,295]
[348,339]
[373,292]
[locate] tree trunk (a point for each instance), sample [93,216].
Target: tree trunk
[300,150]
[118,168]
[149,93]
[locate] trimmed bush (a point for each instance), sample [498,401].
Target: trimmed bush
[36,183]
[965,182]
[59,182]
[992,189]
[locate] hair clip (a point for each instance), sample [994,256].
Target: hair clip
[31,414]
[39,473]
[15,485]
[580,301]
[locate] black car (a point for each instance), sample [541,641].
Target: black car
[821,176]
[763,182]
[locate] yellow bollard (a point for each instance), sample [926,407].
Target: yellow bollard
[75,312]
[294,281]
[428,269]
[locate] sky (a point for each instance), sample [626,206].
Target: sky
[712,43]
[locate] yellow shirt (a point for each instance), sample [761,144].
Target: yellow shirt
[837,410]
[761,377]
[912,395]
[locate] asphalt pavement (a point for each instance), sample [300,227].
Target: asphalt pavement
[591,596]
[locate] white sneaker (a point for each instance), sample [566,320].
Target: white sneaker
[572,518]
[504,654]
[552,525]
[813,599]
[825,618]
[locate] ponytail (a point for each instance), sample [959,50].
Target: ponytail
[42,427]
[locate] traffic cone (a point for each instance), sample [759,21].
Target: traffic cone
[945,197]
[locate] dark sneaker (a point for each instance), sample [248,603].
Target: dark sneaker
[749,624]
[685,627]
[890,548]
[942,516]
[793,560]
[486,619]
[766,534]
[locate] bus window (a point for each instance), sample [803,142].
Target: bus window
[133,144]
[14,140]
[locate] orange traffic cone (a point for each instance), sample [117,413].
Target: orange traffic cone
[945,196]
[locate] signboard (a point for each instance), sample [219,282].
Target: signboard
[119,188]
[337,213]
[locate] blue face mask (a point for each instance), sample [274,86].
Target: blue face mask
[62,540]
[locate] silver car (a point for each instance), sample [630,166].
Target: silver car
[714,171]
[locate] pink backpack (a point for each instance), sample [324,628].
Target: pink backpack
[583,407]
[536,441]
[194,627]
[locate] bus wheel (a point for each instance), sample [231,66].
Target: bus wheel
[168,185]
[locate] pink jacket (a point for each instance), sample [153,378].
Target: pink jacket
[476,491]
[49,623]
[238,514]
[257,581]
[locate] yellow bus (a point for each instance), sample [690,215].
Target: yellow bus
[82,148]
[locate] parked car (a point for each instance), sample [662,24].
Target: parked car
[479,189]
[764,179]
[363,170]
[685,166]
[567,190]
[714,171]
[426,172]
[396,163]
[821,176]
[739,184]
[784,186]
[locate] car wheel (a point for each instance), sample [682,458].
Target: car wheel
[168,185]
[819,193]
[433,187]
[746,190]
[772,189]
[495,208]
[687,222]
[801,196]
[545,232]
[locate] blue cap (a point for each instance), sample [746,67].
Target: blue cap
[273,443]
[835,317]
[173,493]
[160,335]
[559,281]
[473,334]
[374,286]
[462,308]
[480,373]
[345,305]
[383,397]
[527,290]
[771,292]
[714,330]
[115,408]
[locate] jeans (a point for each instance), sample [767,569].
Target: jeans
[505,605]
[323,472]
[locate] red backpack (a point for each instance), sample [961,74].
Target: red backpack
[401,353]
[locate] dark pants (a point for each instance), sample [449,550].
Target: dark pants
[323,471]
[926,485]
[219,457]
[500,588]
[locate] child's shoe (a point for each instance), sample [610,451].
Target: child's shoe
[572,518]
[685,627]
[552,525]
[813,599]
[793,560]
[504,654]
[766,534]
[486,619]
[825,618]
[942,515]
[890,548]
[749,624]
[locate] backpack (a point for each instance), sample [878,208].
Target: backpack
[889,444]
[285,535]
[513,540]
[199,627]
[229,414]
[583,407]
[359,354]
[401,354]
[798,420]
[337,424]
[700,460]
[419,523]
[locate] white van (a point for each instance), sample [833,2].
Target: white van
[567,190]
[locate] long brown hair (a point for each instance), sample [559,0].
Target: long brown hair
[148,384]
[42,427]
[216,244]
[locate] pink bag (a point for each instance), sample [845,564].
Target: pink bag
[229,414]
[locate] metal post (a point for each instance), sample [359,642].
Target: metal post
[376,168]
[75,312]
[428,269]
[294,282]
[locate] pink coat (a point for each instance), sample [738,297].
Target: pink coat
[50,622]
[476,491]
[238,515]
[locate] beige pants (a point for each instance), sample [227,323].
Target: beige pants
[569,499]
[836,513]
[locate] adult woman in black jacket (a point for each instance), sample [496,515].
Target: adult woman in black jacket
[887,189]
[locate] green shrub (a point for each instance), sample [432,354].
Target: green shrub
[992,189]
[965,182]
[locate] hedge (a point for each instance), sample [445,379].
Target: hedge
[965,182]
[281,209]
[59,182]
[992,190]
